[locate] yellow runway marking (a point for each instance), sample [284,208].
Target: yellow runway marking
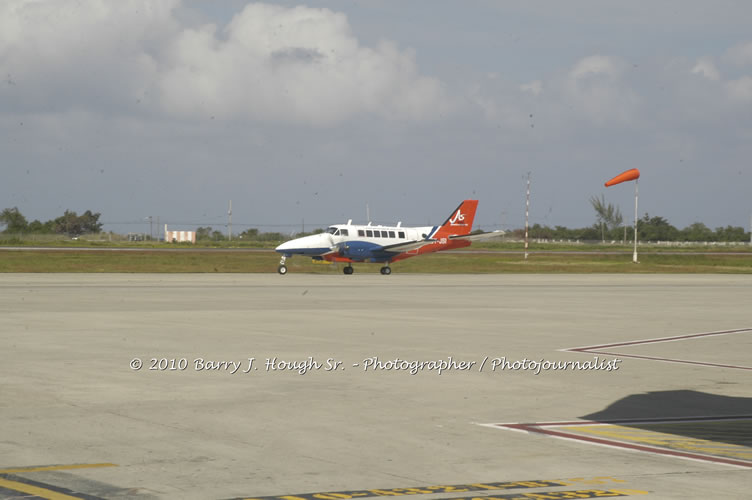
[675,439]
[54,467]
[35,490]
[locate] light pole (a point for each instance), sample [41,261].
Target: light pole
[229,222]
[527,214]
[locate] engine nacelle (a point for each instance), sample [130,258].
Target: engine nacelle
[361,250]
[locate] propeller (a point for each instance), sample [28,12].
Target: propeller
[340,247]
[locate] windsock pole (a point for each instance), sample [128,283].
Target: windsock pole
[634,256]
[630,175]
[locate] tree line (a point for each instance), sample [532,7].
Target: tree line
[70,223]
[608,227]
[210,234]
[649,228]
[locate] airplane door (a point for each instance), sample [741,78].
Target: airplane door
[412,234]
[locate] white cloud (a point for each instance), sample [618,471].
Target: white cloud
[740,55]
[535,87]
[740,89]
[595,88]
[68,54]
[705,67]
[595,66]
[299,65]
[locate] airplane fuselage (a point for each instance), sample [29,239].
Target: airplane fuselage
[359,243]
[385,244]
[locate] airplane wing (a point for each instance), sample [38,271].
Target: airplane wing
[406,246]
[478,236]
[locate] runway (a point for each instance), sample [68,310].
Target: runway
[329,387]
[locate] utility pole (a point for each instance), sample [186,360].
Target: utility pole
[527,213]
[229,222]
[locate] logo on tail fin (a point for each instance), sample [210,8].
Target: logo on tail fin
[458,217]
[460,221]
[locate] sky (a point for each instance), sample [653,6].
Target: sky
[309,114]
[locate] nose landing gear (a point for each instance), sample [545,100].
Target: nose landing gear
[282,269]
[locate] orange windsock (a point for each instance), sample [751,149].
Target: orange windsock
[630,175]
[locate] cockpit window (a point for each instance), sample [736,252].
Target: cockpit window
[332,230]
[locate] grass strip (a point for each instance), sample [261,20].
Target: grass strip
[93,261]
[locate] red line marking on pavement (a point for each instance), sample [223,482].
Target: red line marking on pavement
[633,421]
[539,429]
[597,349]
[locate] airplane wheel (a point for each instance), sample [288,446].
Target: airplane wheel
[282,269]
[348,270]
[386,270]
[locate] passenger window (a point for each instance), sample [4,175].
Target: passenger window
[361,232]
[377,234]
[345,232]
[369,233]
[402,234]
[391,234]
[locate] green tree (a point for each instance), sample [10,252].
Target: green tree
[697,232]
[606,215]
[656,229]
[540,232]
[68,224]
[37,227]
[203,233]
[272,237]
[90,222]
[249,234]
[14,221]
[731,233]
[72,224]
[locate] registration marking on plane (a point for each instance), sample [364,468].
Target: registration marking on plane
[661,436]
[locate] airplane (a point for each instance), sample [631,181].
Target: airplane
[385,244]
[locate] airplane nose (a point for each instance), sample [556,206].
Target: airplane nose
[284,246]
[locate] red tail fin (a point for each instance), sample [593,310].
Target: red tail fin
[460,221]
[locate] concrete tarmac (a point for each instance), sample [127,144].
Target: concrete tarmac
[296,422]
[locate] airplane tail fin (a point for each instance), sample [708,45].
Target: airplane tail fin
[460,221]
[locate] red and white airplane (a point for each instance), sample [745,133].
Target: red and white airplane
[385,244]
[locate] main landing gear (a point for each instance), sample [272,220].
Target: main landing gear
[384,270]
[282,269]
